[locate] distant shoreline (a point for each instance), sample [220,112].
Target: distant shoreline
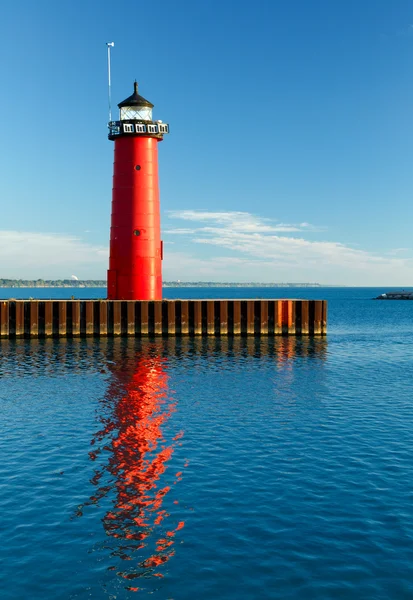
[44,284]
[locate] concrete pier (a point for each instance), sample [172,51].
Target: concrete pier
[136,318]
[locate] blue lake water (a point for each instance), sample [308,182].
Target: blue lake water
[198,469]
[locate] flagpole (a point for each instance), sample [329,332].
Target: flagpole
[109,46]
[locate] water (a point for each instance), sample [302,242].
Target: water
[231,469]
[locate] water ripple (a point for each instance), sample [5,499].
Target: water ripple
[207,469]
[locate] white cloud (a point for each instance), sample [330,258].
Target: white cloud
[180,231]
[47,255]
[180,265]
[240,221]
[221,246]
[261,255]
[396,251]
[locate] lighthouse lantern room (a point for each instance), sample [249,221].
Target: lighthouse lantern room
[136,250]
[136,107]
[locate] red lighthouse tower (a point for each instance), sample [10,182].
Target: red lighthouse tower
[135,261]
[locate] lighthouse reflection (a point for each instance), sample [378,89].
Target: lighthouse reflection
[136,453]
[133,450]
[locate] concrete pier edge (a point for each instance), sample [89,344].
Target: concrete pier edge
[138,318]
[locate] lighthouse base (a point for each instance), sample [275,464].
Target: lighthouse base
[82,318]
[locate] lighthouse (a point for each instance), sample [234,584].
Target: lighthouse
[136,250]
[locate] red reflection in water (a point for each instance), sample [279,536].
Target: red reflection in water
[137,461]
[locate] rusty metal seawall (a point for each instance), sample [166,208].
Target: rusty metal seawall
[82,318]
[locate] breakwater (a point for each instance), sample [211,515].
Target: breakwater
[82,318]
[396,296]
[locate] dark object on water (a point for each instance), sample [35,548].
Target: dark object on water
[396,296]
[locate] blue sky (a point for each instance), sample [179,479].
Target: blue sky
[290,154]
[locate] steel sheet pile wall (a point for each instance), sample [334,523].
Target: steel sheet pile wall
[82,318]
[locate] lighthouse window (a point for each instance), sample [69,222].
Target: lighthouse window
[136,112]
[136,232]
[127,128]
[152,128]
[140,128]
[138,167]
[163,128]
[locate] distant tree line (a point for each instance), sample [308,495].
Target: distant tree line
[72,283]
[81,283]
[232,284]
